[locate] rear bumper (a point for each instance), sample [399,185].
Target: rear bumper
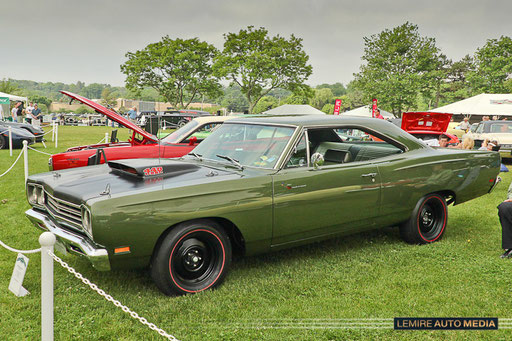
[74,242]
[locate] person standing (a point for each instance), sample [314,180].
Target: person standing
[132,114]
[14,111]
[505,215]
[28,112]
[37,115]
[465,125]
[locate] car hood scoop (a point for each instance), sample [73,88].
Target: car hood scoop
[145,168]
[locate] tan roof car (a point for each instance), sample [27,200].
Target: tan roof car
[500,131]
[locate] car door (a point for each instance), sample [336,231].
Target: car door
[311,202]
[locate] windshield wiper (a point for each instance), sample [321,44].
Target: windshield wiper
[233,161]
[196,155]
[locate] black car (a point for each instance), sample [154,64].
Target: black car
[170,118]
[18,136]
[37,132]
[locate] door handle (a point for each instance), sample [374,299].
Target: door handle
[369,175]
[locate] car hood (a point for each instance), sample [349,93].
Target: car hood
[425,122]
[4,129]
[77,185]
[31,128]
[112,115]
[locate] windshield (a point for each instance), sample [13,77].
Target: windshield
[177,135]
[250,145]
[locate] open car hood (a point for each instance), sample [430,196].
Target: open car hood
[112,115]
[425,122]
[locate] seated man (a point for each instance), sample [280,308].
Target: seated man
[505,214]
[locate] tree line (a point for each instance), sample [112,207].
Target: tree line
[402,69]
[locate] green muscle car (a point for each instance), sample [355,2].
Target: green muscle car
[256,185]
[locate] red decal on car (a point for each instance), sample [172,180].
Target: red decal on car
[153,171]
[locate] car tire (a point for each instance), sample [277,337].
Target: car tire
[181,123]
[3,143]
[427,222]
[192,257]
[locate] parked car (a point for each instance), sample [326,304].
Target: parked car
[500,131]
[141,144]
[253,186]
[154,120]
[18,136]
[428,126]
[36,131]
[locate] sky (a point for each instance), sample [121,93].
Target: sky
[69,40]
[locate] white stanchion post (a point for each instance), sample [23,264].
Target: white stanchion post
[53,130]
[47,241]
[10,140]
[106,137]
[56,135]
[25,159]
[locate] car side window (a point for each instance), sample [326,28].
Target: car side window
[480,129]
[299,156]
[350,144]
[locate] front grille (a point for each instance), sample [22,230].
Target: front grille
[64,211]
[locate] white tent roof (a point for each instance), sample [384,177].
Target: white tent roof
[365,111]
[483,104]
[296,109]
[13,97]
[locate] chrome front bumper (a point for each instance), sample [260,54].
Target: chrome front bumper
[74,242]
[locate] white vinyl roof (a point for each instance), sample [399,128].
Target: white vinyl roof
[479,105]
[13,97]
[294,109]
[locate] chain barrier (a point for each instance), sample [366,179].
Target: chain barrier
[38,151]
[101,141]
[49,131]
[5,131]
[19,251]
[7,171]
[109,298]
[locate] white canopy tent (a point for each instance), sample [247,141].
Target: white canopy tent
[4,108]
[480,105]
[14,98]
[366,111]
[294,109]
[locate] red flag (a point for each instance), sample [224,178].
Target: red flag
[374,107]
[337,106]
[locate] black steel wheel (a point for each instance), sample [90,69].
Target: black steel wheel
[192,257]
[427,222]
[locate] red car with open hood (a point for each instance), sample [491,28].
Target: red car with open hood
[141,144]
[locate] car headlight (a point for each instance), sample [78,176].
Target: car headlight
[87,221]
[35,195]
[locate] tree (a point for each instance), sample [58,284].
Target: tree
[108,98]
[9,88]
[398,65]
[40,100]
[338,89]
[321,98]
[258,63]
[234,100]
[179,70]
[493,64]
[266,103]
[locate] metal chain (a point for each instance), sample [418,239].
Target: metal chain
[109,298]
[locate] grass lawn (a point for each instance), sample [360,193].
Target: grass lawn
[298,294]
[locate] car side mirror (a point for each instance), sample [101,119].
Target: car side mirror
[317,160]
[192,141]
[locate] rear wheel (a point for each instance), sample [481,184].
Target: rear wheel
[192,257]
[427,222]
